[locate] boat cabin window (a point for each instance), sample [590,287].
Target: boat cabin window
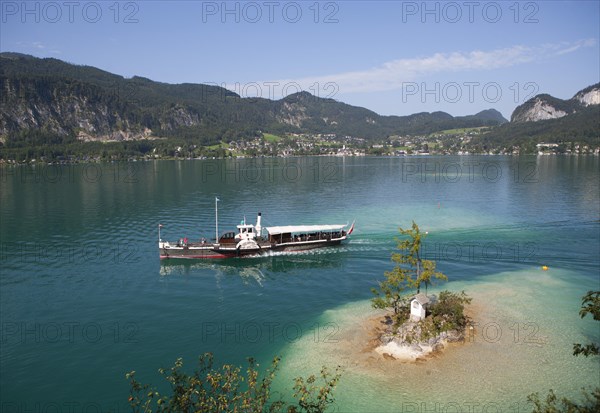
[228,235]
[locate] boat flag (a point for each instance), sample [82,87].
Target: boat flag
[351,228]
[160,225]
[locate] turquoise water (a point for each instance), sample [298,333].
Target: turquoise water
[84,298]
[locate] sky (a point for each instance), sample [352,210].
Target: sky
[393,57]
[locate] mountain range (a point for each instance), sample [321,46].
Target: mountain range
[545,118]
[68,102]
[49,101]
[543,107]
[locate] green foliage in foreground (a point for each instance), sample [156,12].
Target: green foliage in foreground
[227,389]
[552,404]
[590,304]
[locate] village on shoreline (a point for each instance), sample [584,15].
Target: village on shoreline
[450,142]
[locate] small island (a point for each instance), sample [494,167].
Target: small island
[418,324]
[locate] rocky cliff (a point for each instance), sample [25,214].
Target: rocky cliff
[544,107]
[589,96]
[55,101]
[63,109]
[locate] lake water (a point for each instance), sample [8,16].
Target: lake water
[84,298]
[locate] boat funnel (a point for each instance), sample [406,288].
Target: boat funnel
[258,226]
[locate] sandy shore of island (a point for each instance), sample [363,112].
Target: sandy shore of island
[366,337]
[520,339]
[424,351]
[406,353]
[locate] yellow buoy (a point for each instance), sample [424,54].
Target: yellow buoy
[545,267]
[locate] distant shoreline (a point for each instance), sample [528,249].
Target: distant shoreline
[4,162]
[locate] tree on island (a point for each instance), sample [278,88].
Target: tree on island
[410,273]
[227,389]
[590,304]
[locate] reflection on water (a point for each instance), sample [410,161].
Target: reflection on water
[249,273]
[78,253]
[256,269]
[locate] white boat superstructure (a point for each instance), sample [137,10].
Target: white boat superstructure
[254,239]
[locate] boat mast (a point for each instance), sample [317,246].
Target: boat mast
[216,221]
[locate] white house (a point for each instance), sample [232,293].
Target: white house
[418,306]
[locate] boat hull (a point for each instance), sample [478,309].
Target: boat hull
[214,251]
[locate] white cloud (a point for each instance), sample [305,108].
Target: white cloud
[36,48]
[31,45]
[391,75]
